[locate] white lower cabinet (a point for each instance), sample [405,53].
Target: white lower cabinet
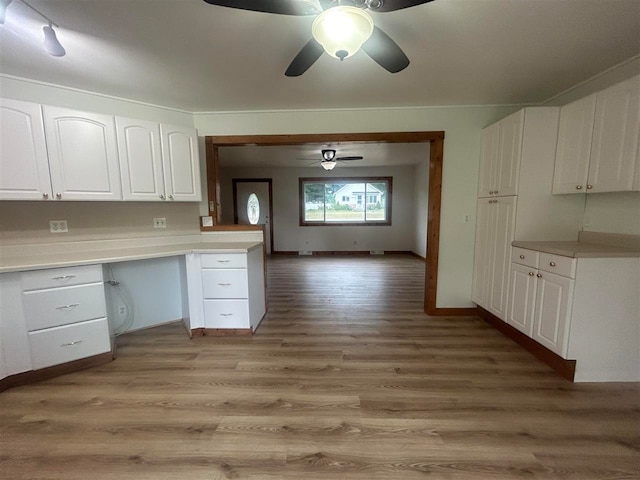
[583,309]
[226,290]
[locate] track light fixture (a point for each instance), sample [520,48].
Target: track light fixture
[50,43]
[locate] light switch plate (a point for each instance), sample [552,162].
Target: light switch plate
[207,221]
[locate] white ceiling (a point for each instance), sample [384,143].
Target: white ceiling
[375,155]
[194,56]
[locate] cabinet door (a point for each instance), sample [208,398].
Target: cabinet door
[615,137]
[574,146]
[4,371]
[522,298]
[500,242]
[553,310]
[482,260]
[140,160]
[181,163]
[82,155]
[24,166]
[508,163]
[488,159]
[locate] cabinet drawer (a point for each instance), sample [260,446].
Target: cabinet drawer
[227,283]
[62,306]
[61,277]
[58,345]
[226,313]
[565,266]
[525,257]
[223,260]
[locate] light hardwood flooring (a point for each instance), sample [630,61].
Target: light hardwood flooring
[346,378]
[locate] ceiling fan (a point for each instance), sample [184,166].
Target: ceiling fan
[329,159]
[340,28]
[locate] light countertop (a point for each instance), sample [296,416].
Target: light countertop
[67,259]
[578,249]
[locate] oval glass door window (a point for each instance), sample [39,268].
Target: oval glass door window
[253,209]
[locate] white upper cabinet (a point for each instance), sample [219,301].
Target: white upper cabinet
[598,142]
[574,146]
[24,166]
[82,155]
[181,163]
[140,159]
[614,150]
[500,161]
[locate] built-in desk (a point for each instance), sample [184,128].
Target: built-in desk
[54,317]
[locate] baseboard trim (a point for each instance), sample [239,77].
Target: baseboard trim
[347,252]
[220,332]
[147,327]
[565,368]
[414,254]
[34,376]
[453,312]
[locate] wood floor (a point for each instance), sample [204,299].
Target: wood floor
[345,379]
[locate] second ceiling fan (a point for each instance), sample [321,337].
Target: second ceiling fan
[341,28]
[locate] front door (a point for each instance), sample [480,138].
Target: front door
[248,211]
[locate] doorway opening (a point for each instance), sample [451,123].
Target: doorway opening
[435,159]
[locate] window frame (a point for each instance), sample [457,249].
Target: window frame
[371,223]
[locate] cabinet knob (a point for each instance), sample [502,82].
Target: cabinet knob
[490,192]
[552,264]
[521,257]
[45,195]
[531,274]
[495,192]
[539,275]
[58,196]
[170,197]
[578,187]
[589,187]
[161,197]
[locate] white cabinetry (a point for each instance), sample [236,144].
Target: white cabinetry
[598,141]
[181,163]
[527,150]
[24,166]
[65,314]
[226,290]
[158,162]
[500,159]
[583,309]
[82,154]
[13,328]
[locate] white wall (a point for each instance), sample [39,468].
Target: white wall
[421,193]
[462,127]
[290,236]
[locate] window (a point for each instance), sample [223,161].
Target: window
[345,201]
[253,209]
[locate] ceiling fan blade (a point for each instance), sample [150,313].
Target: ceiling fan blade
[326,4]
[393,5]
[348,159]
[305,58]
[385,52]
[282,7]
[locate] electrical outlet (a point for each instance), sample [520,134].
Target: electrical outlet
[160,222]
[58,226]
[122,310]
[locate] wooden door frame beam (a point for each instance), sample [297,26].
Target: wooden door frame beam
[436,159]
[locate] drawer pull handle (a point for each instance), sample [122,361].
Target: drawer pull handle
[539,275]
[522,257]
[226,314]
[552,264]
[63,277]
[224,284]
[71,344]
[65,307]
[224,261]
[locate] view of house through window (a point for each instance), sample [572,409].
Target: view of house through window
[345,201]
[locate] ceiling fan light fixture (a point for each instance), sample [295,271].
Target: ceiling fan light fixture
[3,10]
[328,164]
[342,30]
[51,43]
